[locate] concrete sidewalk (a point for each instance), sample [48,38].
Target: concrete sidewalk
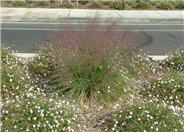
[83,15]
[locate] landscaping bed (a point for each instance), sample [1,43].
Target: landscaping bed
[128,5]
[91,82]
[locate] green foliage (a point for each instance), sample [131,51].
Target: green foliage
[6,2]
[18,3]
[107,3]
[80,77]
[117,5]
[58,2]
[14,80]
[180,5]
[138,65]
[144,117]
[42,3]
[169,88]
[131,3]
[143,5]
[83,2]
[155,3]
[67,4]
[91,69]
[94,4]
[41,65]
[175,61]
[29,1]
[36,114]
[165,5]
[24,105]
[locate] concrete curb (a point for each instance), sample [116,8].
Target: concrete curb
[100,20]
[31,55]
[84,15]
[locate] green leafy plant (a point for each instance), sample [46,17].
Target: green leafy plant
[180,5]
[169,88]
[29,1]
[15,81]
[117,5]
[165,5]
[95,4]
[139,66]
[107,3]
[18,3]
[175,61]
[37,114]
[25,106]
[42,3]
[143,5]
[131,3]
[155,3]
[144,117]
[67,4]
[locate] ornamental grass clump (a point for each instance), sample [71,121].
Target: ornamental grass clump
[89,64]
[145,117]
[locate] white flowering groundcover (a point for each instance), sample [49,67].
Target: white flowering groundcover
[35,98]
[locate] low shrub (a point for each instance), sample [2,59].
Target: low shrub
[42,3]
[173,2]
[165,5]
[117,5]
[144,117]
[29,1]
[180,5]
[131,3]
[155,3]
[18,3]
[94,4]
[107,3]
[6,2]
[143,5]
[83,2]
[67,4]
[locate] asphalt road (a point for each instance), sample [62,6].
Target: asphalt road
[153,39]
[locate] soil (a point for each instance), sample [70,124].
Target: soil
[32,5]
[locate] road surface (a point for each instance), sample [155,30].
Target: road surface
[153,39]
